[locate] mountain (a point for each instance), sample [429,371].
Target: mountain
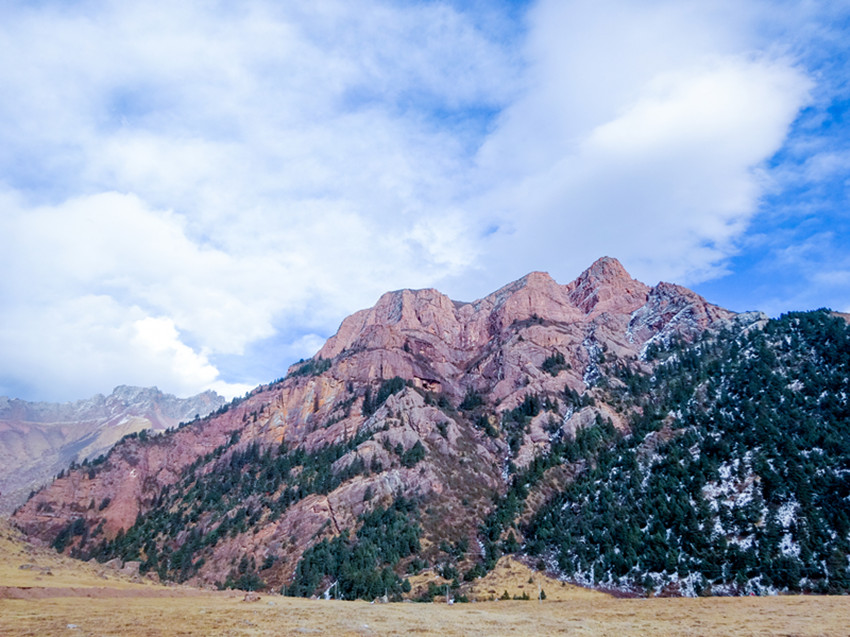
[38,440]
[610,432]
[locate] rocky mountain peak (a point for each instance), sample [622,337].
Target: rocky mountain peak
[671,308]
[606,268]
[606,286]
[535,295]
[533,281]
[413,309]
[425,310]
[132,392]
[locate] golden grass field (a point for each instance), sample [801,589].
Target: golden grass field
[82,599]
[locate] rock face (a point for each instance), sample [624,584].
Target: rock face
[498,343]
[37,440]
[442,436]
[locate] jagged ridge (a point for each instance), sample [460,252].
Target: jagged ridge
[486,390]
[39,439]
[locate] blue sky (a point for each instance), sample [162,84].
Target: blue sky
[193,195]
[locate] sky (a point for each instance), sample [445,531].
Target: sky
[194,194]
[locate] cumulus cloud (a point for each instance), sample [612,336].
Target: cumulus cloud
[89,280]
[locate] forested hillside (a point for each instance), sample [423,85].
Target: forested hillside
[735,476]
[234,490]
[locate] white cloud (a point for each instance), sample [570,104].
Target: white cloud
[157,339]
[89,280]
[181,182]
[640,135]
[222,176]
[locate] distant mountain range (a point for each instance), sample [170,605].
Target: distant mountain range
[38,439]
[611,433]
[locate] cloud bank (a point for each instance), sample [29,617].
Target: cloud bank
[193,196]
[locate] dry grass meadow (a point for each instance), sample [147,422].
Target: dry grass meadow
[54,595]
